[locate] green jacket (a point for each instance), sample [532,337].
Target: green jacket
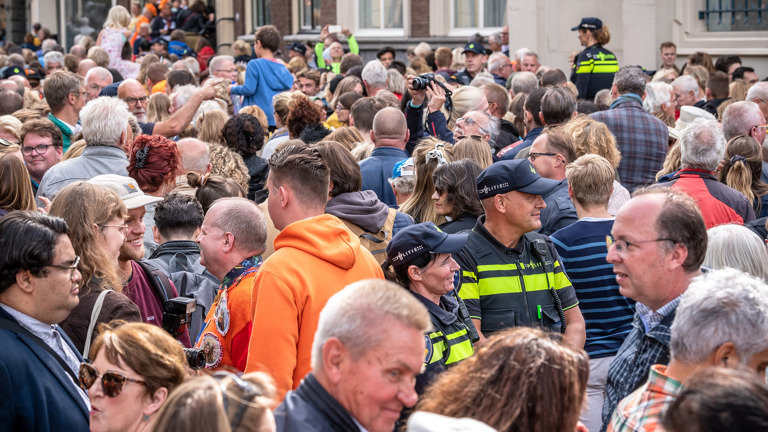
[335,67]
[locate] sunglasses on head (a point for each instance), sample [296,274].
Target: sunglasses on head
[111,383]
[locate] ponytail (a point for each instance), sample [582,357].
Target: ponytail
[739,177]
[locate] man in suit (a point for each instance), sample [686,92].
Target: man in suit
[38,363]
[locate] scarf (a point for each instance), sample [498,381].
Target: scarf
[626,97]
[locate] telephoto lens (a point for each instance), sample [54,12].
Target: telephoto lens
[195,358]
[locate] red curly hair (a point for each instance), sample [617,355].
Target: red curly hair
[153,161]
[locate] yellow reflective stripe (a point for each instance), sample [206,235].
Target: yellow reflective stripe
[460,352]
[606,69]
[438,346]
[585,68]
[496,267]
[511,284]
[457,334]
[469,291]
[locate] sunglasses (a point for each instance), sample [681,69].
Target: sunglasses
[111,383]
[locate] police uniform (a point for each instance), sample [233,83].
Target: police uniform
[509,287]
[593,71]
[448,343]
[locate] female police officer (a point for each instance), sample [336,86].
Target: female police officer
[421,258]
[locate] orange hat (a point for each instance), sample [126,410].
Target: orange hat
[151,8]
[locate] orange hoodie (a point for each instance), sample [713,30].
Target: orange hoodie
[314,259]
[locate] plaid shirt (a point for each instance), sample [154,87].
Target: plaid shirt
[642,410]
[630,368]
[642,139]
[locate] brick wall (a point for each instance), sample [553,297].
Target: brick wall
[328,15]
[281,12]
[420,18]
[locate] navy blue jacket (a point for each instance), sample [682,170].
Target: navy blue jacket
[559,212]
[377,170]
[37,394]
[527,142]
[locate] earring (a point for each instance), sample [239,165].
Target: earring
[146,417]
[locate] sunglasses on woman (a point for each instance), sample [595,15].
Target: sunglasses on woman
[111,383]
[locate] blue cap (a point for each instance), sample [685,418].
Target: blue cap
[13,70]
[298,47]
[589,24]
[403,168]
[510,175]
[416,240]
[474,47]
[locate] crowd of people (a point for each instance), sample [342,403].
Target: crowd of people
[290,238]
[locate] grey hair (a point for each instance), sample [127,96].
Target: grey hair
[422,49]
[104,119]
[242,218]
[495,38]
[630,79]
[356,314]
[491,127]
[396,83]
[216,61]
[687,84]
[721,306]
[375,74]
[47,45]
[524,82]
[481,80]
[194,160]
[497,61]
[758,90]
[193,64]
[529,53]
[521,52]
[16,59]
[740,117]
[403,184]
[53,57]
[738,247]
[182,65]
[182,94]
[702,145]
[657,95]
[99,72]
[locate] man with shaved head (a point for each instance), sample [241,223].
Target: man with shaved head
[135,95]
[390,135]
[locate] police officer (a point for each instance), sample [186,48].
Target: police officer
[421,257]
[593,69]
[511,275]
[475,57]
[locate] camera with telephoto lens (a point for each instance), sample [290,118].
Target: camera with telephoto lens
[177,314]
[195,358]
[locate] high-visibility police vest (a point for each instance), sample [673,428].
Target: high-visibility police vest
[509,287]
[447,344]
[593,71]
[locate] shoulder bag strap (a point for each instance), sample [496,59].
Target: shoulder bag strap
[94,316]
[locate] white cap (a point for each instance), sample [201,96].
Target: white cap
[422,421]
[126,188]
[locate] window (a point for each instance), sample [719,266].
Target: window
[309,15]
[380,14]
[261,13]
[82,19]
[736,15]
[478,13]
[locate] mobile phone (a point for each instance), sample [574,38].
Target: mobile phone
[334,29]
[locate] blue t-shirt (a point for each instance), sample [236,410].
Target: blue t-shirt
[607,314]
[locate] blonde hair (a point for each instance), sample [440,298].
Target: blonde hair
[296,65]
[465,99]
[347,84]
[209,126]
[592,136]
[348,137]
[229,164]
[474,149]
[602,35]
[158,107]
[419,205]
[591,179]
[83,205]
[742,168]
[737,90]
[671,162]
[118,18]
[363,150]
[15,188]
[282,105]
[12,125]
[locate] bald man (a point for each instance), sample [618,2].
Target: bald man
[84,66]
[196,158]
[389,135]
[135,95]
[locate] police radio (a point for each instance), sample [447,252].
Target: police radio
[466,319]
[540,249]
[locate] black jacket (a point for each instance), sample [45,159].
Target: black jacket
[310,408]
[258,169]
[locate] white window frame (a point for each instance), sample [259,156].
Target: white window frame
[469,31]
[690,35]
[376,32]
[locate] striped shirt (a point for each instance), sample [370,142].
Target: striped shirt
[607,313]
[642,410]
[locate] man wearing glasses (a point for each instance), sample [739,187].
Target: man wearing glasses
[549,154]
[41,147]
[65,94]
[38,289]
[656,246]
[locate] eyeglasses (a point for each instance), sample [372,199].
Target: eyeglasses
[533,155]
[226,70]
[122,228]
[40,149]
[765,126]
[111,383]
[4,142]
[84,93]
[133,101]
[72,267]
[622,246]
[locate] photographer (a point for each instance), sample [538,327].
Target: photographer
[435,121]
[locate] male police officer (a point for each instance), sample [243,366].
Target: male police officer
[512,276]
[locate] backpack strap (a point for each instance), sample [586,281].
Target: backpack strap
[159,281]
[94,316]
